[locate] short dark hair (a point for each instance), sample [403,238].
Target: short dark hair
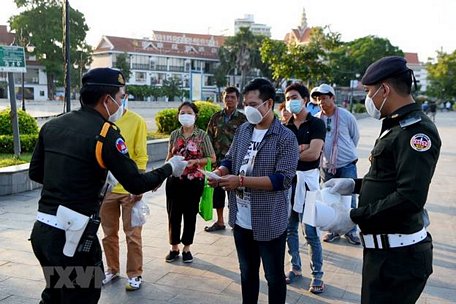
[188,104]
[300,88]
[90,95]
[402,83]
[264,86]
[282,106]
[232,90]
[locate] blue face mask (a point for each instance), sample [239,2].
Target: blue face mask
[125,101]
[294,106]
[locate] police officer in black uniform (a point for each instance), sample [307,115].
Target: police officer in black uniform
[71,160]
[391,215]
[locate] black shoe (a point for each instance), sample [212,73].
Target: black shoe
[352,238]
[172,256]
[187,257]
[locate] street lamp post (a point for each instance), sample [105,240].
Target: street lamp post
[23,90]
[27,48]
[66,36]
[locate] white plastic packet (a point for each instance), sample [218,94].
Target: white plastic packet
[138,213]
[319,210]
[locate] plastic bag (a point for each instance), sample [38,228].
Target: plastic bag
[138,213]
[205,205]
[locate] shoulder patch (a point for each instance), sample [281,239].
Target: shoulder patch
[420,142]
[121,146]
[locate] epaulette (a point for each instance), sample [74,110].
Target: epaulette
[409,120]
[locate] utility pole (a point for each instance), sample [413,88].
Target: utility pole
[66,39]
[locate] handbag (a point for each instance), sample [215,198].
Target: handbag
[205,204]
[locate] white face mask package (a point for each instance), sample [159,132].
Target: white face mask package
[318,210]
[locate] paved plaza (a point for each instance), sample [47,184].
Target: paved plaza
[213,277]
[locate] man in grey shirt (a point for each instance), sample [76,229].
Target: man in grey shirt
[339,152]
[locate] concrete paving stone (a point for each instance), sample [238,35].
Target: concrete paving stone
[192,282]
[22,271]
[435,294]
[149,293]
[14,299]
[20,257]
[22,287]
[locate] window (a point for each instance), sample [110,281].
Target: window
[140,77]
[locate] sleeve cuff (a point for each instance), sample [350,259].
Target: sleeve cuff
[277,182]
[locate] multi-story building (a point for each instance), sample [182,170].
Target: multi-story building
[249,22]
[35,79]
[419,69]
[189,58]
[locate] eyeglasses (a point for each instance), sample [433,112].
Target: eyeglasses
[328,124]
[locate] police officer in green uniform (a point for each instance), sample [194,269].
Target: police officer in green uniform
[71,159]
[397,248]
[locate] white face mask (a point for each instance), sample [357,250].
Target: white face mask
[294,106]
[371,108]
[254,115]
[187,120]
[116,115]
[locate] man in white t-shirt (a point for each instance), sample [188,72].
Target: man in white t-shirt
[257,172]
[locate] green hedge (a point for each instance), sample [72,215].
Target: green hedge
[28,131]
[167,121]
[359,108]
[28,142]
[27,124]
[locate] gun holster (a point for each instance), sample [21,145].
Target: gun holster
[74,224]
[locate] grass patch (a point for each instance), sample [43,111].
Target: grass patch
[10,160]
[156,135]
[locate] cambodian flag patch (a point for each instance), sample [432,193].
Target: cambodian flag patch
[121,146]
[420,142]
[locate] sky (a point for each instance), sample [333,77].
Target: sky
[419,26]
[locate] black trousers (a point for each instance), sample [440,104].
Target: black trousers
[69,280]
[182,201]
[396,275]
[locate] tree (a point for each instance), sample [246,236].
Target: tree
[123,64]
[241,53]
[354,57]
[441,76]
[307,62]
[41,22]
[172,88]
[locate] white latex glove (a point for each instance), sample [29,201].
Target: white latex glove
[343,186]
[342,223]
[178,164]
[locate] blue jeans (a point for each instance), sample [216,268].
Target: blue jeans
[347,171]
[272,255]
[315,250]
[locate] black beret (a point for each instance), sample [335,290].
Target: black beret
[103,77]
[384,68]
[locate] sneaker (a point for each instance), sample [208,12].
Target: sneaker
[133,283]
[187,257]
[352,238]
[331,237]
[172,256]
[110,277]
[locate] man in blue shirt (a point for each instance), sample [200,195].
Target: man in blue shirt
[339,153]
